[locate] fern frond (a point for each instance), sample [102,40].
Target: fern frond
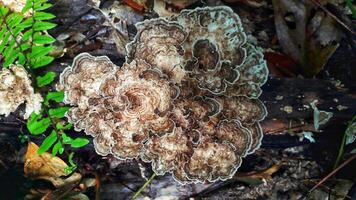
[23,38]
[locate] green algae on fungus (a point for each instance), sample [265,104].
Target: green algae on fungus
[186,100]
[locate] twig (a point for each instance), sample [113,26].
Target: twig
[316,2]
[17,118]
[97,186]
[333,191]
[332,173]
[341,151]
[144,186]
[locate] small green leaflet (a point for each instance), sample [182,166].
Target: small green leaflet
[62,126]
[36,125]
[41,61]
[58,112]
[40,51]
[79,142]
[39,6]
[57,148]
[43,39]
[352,8]
[3,11]
[54,96]
[351,132]
[72,166]
[48,142]
[42,26]
[43,16]
[66,139]
[46,79]
[76,143]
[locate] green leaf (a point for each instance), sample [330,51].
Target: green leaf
[5,40]
[76,143]
[43,16]
[61,150]
[72,166]
[37,125]
[43,39]
[55,96]
[57,148]
[46,79]
[66,139]
[10,57]
[2,31]
[79,142]
[48,142]
[27,23]
[70,159]
[27,7]
[42,26]
[3,11]
[25,46]
[22,59]
[43,6]
[352,8]
[26,36]
[41,62]
[351,132]
[13,20]
[58,112]
[61,126]
[40,51]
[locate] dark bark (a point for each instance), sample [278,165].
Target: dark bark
[296,92]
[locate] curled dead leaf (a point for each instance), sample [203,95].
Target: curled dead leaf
[306,34]
[265,174]
[47,167]
[258,177]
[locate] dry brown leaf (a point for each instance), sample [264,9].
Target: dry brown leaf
[306,34]
[166,8]
[265,174]
[42,165]
[138,5]
[46,167]
[258,177]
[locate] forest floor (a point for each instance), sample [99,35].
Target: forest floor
[294,156]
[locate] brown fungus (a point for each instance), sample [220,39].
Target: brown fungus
[186,99]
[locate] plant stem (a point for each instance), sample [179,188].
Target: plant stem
[28,68]
[341,151]
[60,139]
[144,186]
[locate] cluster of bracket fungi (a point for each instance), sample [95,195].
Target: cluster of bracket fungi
[16,89]
[185,100]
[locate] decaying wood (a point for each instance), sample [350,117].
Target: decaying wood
[296,94]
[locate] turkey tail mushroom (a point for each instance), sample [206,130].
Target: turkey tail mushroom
[186,100]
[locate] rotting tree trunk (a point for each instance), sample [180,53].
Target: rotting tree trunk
[281,96]
[297,93]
